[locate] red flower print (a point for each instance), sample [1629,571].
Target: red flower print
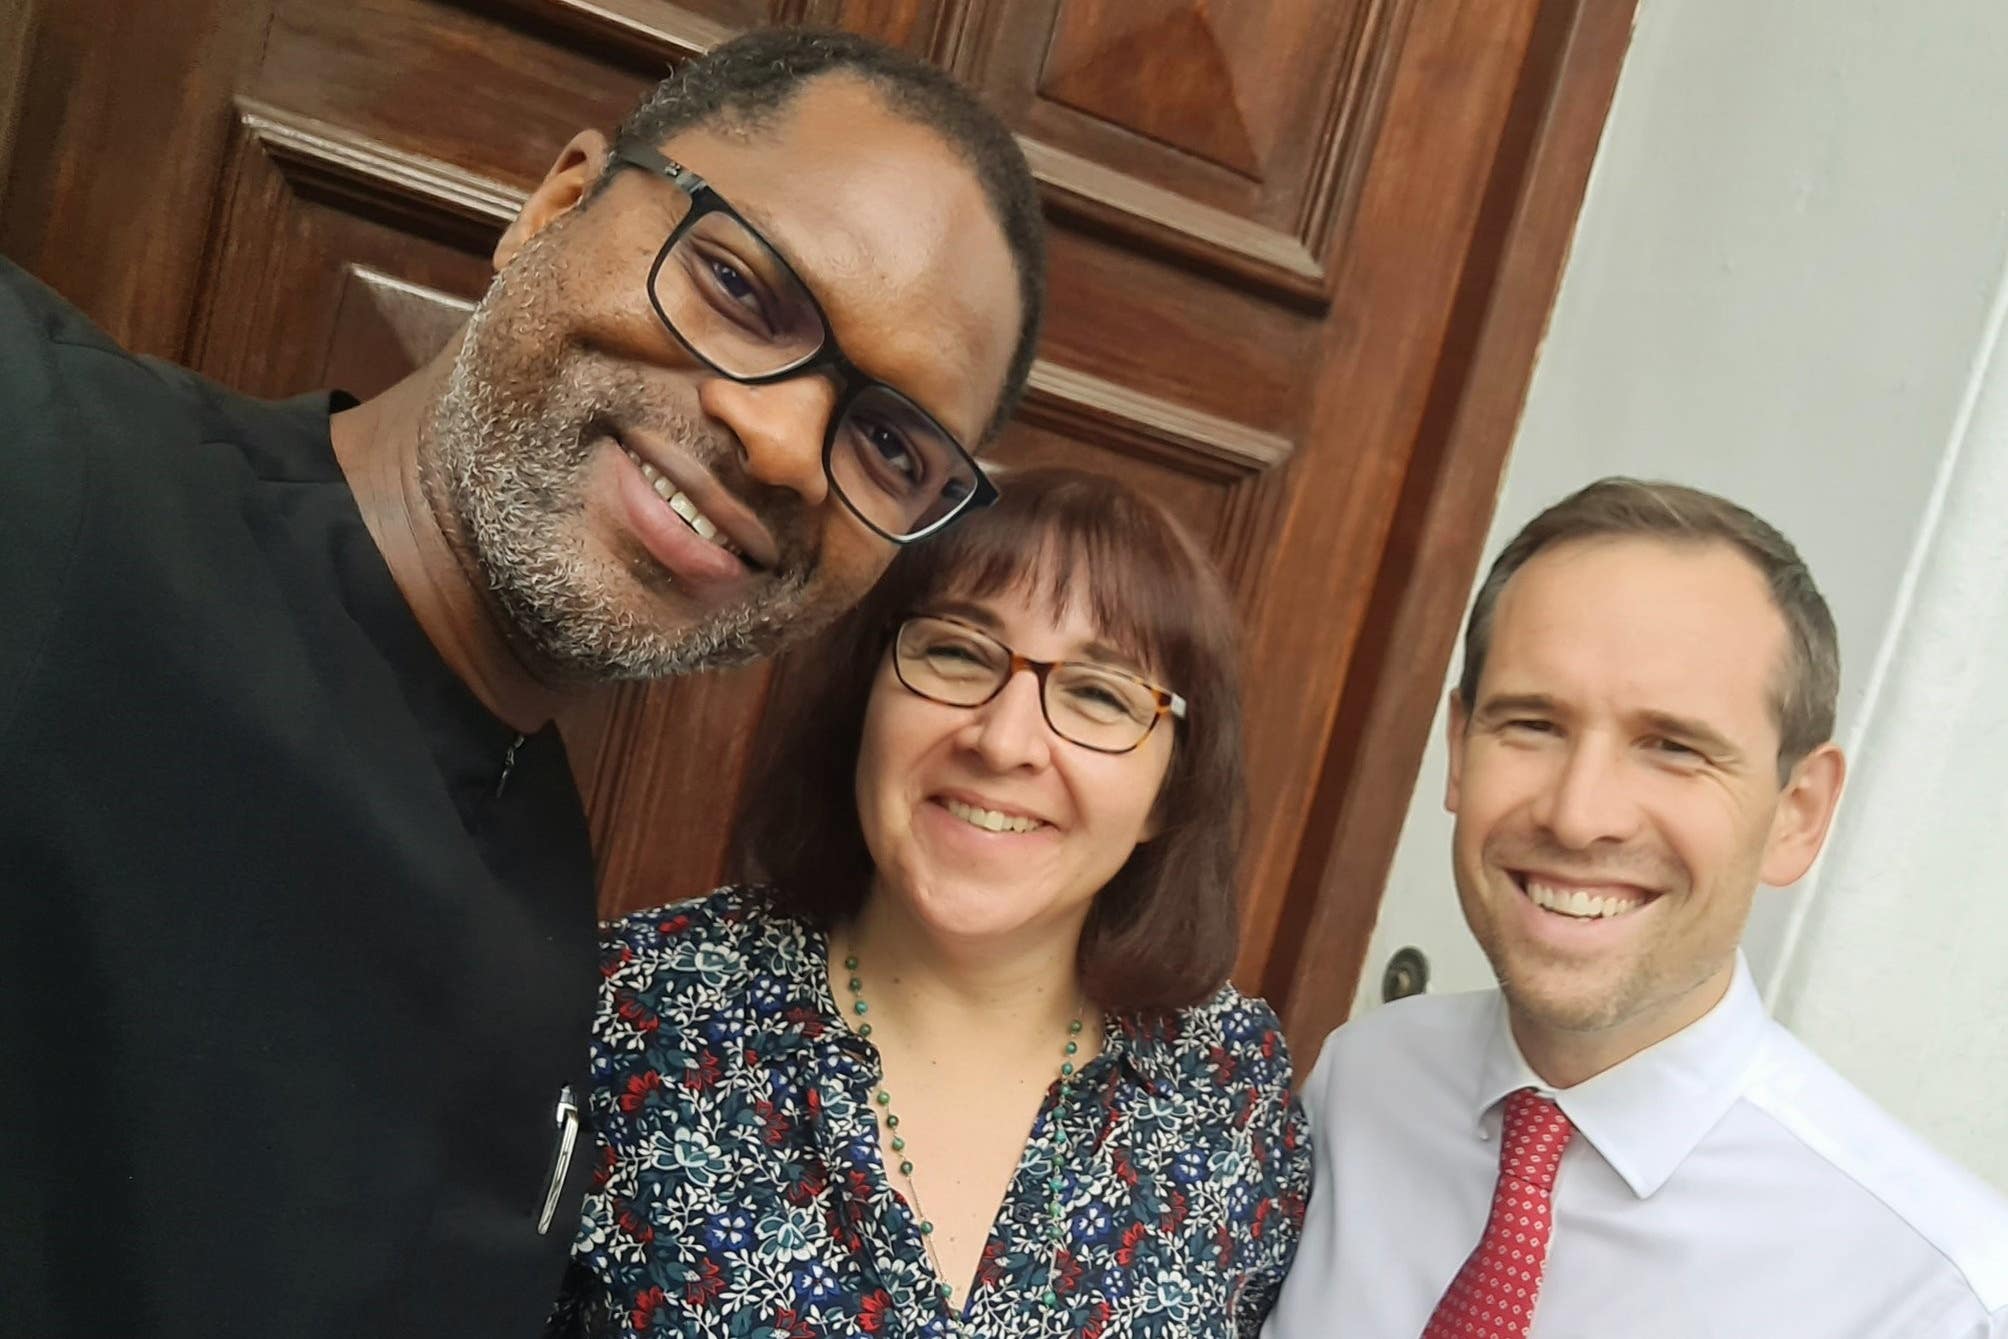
[808,1020]
[639,1089]
[1133,1236]
[857,1190]
[989,1267]
[645,1306]
[634,1013]
[636,1227]
[811,1184]
[704,1074]
[1261,1223]
[1066,1272]
[1224,1066]
[872,1309]
[787,1325]
[776,1122]
[703,1289]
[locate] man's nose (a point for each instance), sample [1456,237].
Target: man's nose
[780,427]
[1587,800]
[1009,731]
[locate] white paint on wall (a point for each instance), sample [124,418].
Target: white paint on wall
[1901,967]
[1786,264]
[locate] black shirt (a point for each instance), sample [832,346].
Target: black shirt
[290,982]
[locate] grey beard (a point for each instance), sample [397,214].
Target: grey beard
[504,469]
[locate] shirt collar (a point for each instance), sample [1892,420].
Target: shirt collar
[1646,1114]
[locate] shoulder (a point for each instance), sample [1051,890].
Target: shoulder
[1416,1054]
[88,395]
[32,313]
[733,931]
[673,974]
[53,360]
[1237,1093]
[1419,1027]
[1229,1039]
[1959,1216]
[48,440]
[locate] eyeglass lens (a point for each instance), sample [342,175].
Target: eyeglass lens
[1091,705]
[738,306]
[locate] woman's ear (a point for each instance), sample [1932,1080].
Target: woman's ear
[570,177]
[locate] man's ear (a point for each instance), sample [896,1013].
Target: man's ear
[1457,720]
[578,166]
[1805,812]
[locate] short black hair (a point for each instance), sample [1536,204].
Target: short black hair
[753,77]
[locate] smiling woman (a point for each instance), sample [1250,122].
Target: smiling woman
[963,1052]
[1072,549]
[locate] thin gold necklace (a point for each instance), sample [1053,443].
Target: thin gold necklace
[1055,1182]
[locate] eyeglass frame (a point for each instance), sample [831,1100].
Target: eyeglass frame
[1168,703]
[827,357]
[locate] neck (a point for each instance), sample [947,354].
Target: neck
[929,984]
[377,444]
[1564,1057]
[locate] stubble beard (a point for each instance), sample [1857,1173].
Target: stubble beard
[504,464]
[1542,990]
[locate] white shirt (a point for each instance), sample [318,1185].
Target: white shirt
[1724,1184]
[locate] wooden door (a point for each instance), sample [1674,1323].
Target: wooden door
[1301,257]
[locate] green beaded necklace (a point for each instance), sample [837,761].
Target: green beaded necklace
[1055,1221]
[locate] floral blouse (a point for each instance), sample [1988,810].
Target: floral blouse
[739,1190]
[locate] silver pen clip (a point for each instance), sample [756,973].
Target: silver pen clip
[566,1119]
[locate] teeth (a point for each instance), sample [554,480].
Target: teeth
[684,507]
[991,819]
[1575,902]
[680,503]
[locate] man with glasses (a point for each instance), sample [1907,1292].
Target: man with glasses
[297,950]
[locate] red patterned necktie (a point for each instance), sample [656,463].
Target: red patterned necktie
[1493,1296]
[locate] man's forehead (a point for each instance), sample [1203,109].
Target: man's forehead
[1686,623]
[886,223]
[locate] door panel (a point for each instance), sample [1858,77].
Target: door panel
[1282,232]
[1220,133]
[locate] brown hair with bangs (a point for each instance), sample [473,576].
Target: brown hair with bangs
[1163,933]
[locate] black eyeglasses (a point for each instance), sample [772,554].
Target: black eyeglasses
[729,298]
[1096,706]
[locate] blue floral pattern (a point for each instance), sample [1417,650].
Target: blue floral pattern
[739,1191]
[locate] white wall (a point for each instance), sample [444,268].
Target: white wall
[1900,973]
[1782,288]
